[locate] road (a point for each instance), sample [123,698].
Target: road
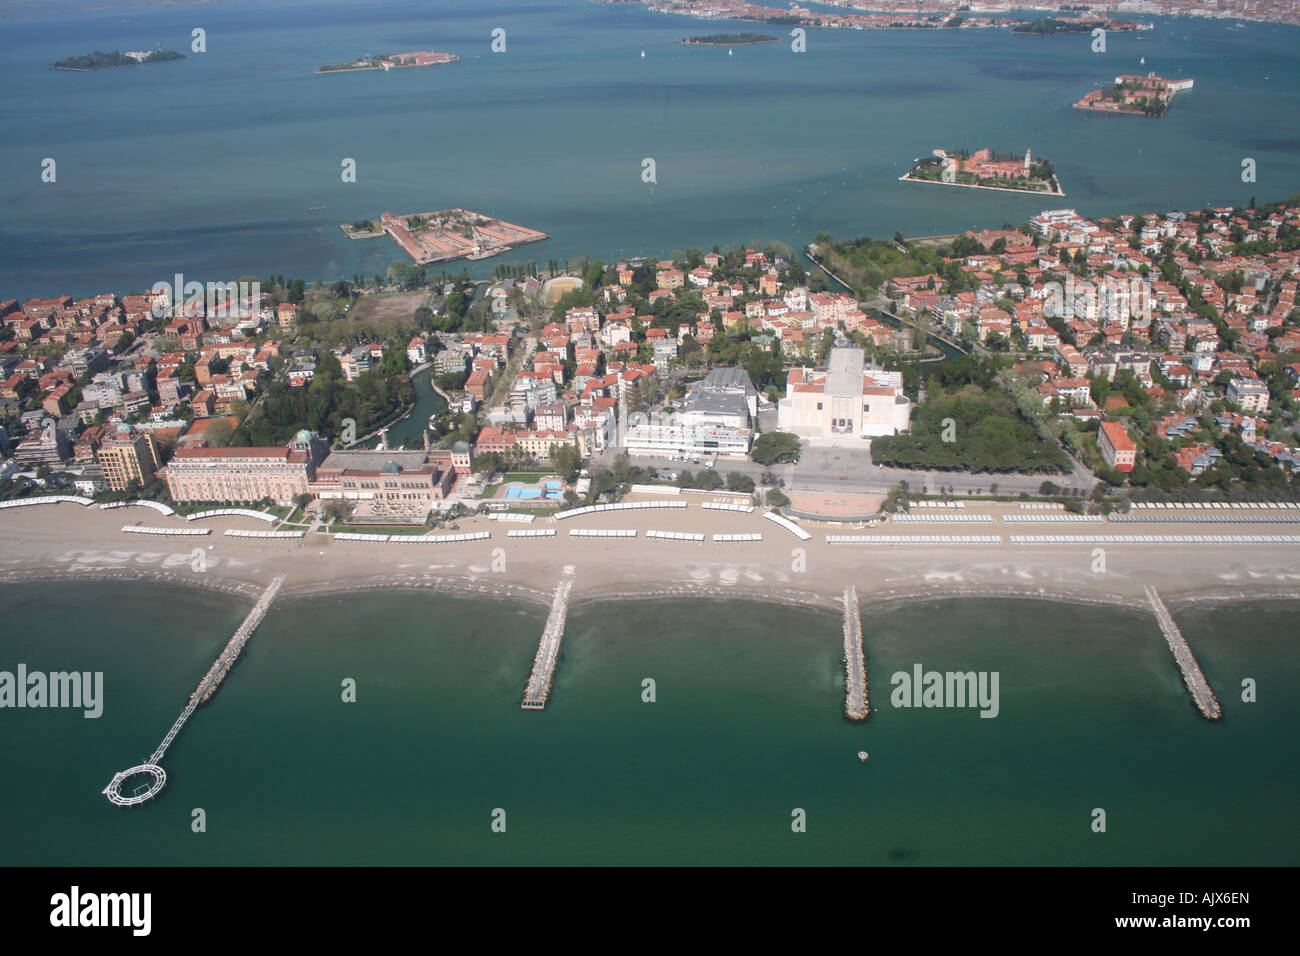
[825,468]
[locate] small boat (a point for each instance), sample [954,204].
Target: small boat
[863,755]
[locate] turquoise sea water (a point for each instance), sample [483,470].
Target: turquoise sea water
[228,163]
[746,727]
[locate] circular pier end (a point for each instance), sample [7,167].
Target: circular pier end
[143,782]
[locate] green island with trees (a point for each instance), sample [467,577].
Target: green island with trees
[730,39]
[1052,26]
[107,61]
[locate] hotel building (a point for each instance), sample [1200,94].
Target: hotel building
[245,474]
[127,455]
[717,419]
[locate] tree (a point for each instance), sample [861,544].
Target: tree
[709,480]
[740,482]
[776,499]
[567,461]
[488,461]
[773,447]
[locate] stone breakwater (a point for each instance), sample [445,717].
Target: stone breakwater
[1193,677]
[226,659]
[538,689]
[856,704]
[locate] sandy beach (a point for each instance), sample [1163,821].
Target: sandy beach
[68,541]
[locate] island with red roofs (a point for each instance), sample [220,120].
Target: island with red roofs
[391,61]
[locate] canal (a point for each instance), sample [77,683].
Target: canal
[427,402]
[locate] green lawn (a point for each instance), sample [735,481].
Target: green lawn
[490,490]
[527,477]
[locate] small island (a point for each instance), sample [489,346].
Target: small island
[445,235]
[1058,27]
[1148,95]
[391,61]
[107,61]
[984,169]
[730,39]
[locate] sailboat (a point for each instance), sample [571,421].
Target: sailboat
[1143,61]
[728,51]
[643,53]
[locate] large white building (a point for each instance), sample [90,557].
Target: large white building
[717,419]
[846,401]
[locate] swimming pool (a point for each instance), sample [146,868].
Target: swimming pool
[552,492]
[514,491]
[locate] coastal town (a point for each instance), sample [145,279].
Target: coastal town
[1160,352]
[886,15]
[761,510]
[928,14]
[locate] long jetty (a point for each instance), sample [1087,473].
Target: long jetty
[1193,677]
[207,687]
[548,649]
[856,705]
[221,666]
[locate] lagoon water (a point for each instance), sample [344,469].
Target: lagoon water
[746,727]
[228,163]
